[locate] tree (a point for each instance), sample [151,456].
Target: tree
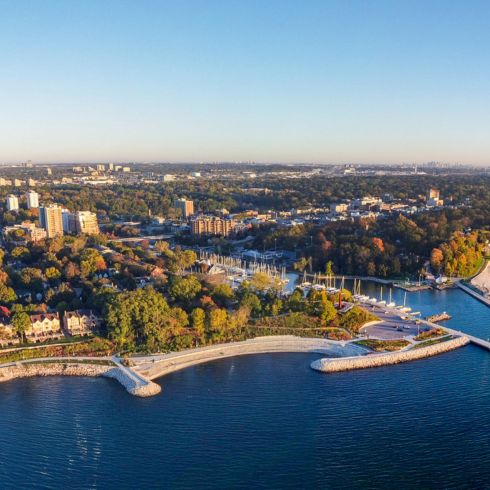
[21,323]
[71,270]
[198,321]
[185,288]
[21,253]
[162,247]
[261,281]
[222,293]
[327,311]
[52,273]
[182,260]
[217,321]
[91,262]
[328,268]
[143,317]
[252,301]
[301,264]
[295,301]
[7,294]
[436,259]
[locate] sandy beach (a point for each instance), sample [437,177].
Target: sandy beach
[482,280]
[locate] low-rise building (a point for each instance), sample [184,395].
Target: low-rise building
[44,326]
[29,232]
[8,335]
[80,322]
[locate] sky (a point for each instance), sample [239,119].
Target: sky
[237,80]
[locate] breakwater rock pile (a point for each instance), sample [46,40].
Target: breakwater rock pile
[26,370]
[134,384]
[375,360]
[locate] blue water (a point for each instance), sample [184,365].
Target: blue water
[262,421]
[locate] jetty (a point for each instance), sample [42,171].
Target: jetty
[441,317]
[108,366]
[376,360]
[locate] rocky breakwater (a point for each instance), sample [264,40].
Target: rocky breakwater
[26,370]
[375,360]
[134,384]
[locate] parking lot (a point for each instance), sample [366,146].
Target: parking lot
[392,326]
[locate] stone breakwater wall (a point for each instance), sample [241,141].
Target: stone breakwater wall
[375,360]
[137,387]
[134,385]
[27,370]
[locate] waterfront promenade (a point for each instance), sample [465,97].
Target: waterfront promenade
[483,299]
[155,366]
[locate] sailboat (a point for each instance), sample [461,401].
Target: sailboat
[405,308]
[391,303]
[381,302]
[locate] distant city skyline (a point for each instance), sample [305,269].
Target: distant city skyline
[279,81]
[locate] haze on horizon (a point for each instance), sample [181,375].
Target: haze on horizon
[269,81]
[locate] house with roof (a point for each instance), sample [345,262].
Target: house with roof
[80,322]
[44,326]
[8,335]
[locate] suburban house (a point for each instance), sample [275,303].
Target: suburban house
[80,322]
[44,326]
[8,336]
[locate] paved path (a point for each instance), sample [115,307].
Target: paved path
[473,293]
[154,366]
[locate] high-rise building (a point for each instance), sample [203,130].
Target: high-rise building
[212,225]
[100,167]
[32,199]
[69,221]
[187,207]
[86,222]
[434,198]
[50,218]
[12,203]
[433,194]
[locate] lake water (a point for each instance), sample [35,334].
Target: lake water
[263,421]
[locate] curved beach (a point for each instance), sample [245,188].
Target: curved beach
[155,366]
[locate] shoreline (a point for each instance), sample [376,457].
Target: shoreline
[156,366]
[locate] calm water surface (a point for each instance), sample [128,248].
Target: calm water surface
[263,421]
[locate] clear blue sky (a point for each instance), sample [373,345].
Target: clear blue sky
[263,80]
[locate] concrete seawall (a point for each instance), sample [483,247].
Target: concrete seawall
[480,297]
[152,367]
[376,360]
[134,384]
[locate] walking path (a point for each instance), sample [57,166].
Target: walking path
[471,292]
[155,366]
